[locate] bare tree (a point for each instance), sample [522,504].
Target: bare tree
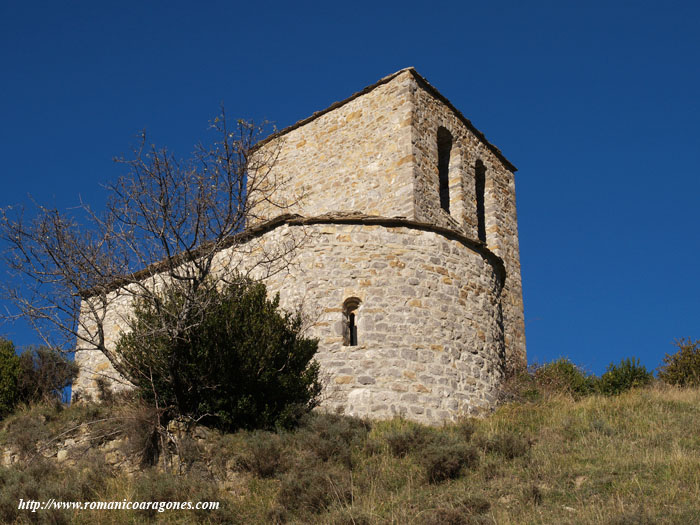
[184,223]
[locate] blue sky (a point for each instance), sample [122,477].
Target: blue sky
[596,103]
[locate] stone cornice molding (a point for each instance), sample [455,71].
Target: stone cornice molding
[293,219]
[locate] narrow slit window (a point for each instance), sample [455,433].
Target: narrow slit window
[480,177]
[444,146]
[353,330]
[350,307]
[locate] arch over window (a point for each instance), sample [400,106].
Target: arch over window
[444,146]
[480,181]
[350,306]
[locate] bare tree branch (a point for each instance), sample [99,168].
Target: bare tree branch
[170,221]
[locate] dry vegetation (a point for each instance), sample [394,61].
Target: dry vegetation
[631,458]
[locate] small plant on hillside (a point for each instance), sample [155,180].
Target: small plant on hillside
[683,367]
[45,372]
[562,376]
[519,385]
[38,374]
[402,442]
[9,376]
[263,455]
[443,461]
[313,487]
[619,378]
[227,357]
[332,437]
[507,444]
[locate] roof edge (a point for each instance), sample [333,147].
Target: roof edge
[424,84]
[433,91]
[294,219]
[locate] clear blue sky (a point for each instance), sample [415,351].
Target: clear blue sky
[597,104]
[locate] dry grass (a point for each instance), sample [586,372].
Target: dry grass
[632,458]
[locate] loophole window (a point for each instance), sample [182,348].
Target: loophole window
[444,146]
[350,307]
[480,180]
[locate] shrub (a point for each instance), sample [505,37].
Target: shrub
[264,454]
[45,372]
[466,428]
[9,377]
[446,516]
[443,461]
[332,437]
[466,511]
[683,367]
[506,444]
[138,422]
[532,494]
[562,376]
[314,487]
[24,429]
[38,374]
[519,385]
[105,394]
[229,357]
[619,378]
[401,442]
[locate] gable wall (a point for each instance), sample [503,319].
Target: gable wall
[431,113]
[355,158]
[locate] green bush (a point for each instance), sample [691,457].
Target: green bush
[412,439]
[263,455]
[226,356]
[467,510]
[562,376]
[313,487]
[506,444]
[619,378]
[9,377]
[332,437]
[443,461]
[683,367]
[466,428]
[38,374]
[519,385]
[45,372]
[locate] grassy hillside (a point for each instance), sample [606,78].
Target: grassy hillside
[628,459]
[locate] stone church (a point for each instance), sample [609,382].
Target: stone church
[410,260]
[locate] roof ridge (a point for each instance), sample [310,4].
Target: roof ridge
[384,80]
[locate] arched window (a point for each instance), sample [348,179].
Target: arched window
[444,147]
[350,307]
[480,177]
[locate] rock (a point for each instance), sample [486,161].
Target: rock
[112,458]
[177,426]
[201,432]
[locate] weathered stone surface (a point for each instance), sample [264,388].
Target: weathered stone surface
[440,313]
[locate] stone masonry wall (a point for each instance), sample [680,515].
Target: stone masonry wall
[377,154]
[352,158]
[430,337]
[93,363]
[430,113]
